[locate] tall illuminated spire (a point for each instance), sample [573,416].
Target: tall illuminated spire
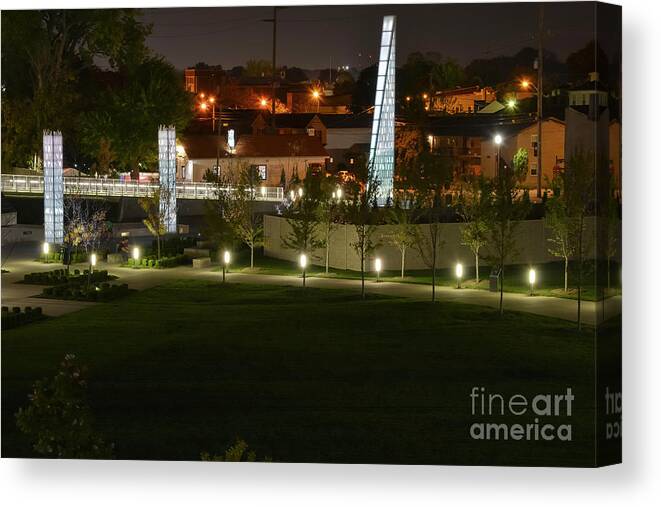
[382,143]
[167,169]
[53,188]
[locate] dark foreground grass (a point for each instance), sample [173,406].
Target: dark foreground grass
[303,375]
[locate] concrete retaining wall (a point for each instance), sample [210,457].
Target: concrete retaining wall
[532,243]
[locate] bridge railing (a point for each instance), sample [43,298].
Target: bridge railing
[14,183]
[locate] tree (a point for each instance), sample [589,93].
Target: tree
[504,209]
[328,214]
[612,232]
[85,227]
[473,209]
[361,212]
[562,227]
[130,112]
[58,418]
[578,182]
[48,57]
[403,236]
[156,221]
[258,68]
[237,452]
[217,225]
[303,218]
[240,211]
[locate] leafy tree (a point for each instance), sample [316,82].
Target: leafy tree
[403,236]
[258,68]
[473,209]
[156,221]
[504,209]
[58,418]
[239,451]
[361,212]
[303,218]
[217,224]
[328,214]
[561,224]
[579,176]
[150,95]
[47,57]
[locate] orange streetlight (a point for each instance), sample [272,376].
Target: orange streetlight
[203,106]
[263,102]
[316,96]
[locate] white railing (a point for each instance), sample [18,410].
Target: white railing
[20,184]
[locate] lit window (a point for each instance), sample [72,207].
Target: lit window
[261,171]
[533,169]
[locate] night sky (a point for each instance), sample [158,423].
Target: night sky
[311,37]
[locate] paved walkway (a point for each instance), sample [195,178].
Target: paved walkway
[16,294]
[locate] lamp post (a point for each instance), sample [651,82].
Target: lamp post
[459,273]
[92,262]
[531,280]
[136,256]
[226,263]
[377,268]
[498,140]
[303,262]
[45,248]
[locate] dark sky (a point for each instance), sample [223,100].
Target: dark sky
[311,37]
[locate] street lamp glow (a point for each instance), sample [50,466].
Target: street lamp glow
[136,253]
[300,191]
[263,102]
[315,94]
[525,83]
[377,268]
[203,106]
[212,99]
[292,195]
[511,103]
[459,273]
[303,262]
[498,139]
[226,257]
[532,276]
[45,248]
[339,192]
[93,260]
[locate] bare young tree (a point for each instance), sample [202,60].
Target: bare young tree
[156,221]
[303,218]
[562,227]
[328,214]
[403,236]
[473,209]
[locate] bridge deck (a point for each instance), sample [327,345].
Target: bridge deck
[19,184]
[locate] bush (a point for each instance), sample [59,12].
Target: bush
[16,318]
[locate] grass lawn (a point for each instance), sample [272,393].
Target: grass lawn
[550,276]
[304,375]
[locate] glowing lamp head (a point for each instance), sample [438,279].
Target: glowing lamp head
[226,257]
[300,191]
[525,83]
[136,253]
[315,94]
[45,248]
[303,261]
[511,103]
[263,102]
[532,276]
[93,259]
[377,265]
[459,270]
[292,195]
[425,96]
[203,106]
[201,95]
[498,139]
[212,99]
[339,193]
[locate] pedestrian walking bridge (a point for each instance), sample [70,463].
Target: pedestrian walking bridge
[98,187]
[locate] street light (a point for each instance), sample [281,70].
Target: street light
[136,255]
[511,104]
[93,261]
[498,140]
[459,272]
[316,96]
[45,248]
[226,263]
[292,195]
[263,102]
[303,262]
[300,191]
[531,279]
[339,193]
[377,268]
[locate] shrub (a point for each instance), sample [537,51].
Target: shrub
[5,309]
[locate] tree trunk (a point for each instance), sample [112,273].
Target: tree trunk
[403,260]
[502,282]
[566,273]
[252,256]
[580,272]
[327,249]
[158,247]
[477,269]
[362,273]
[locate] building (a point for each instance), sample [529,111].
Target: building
[272,156]
[469,99]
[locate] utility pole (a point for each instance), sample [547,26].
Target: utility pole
[540,94]
[275,25]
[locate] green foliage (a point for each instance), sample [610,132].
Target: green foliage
[473,209]
[404,233]
[62,276]
[17,318]
[236,452]
[58,419]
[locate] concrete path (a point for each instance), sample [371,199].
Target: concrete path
[16,294]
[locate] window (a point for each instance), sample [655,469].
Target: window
[311,132]
[261,171]
[533,169]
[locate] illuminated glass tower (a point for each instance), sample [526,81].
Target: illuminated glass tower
[53,188]
[382,143]
[167,169]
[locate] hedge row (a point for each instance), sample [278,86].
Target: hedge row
[102,292]
[61,276]
[76,257]
[163,262]
[17,318]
